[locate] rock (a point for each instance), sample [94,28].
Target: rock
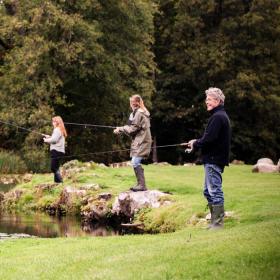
[128,203]
[72,167]
[161,163]
[88,187]
[105,196]
[96,211]
[189,164]
[237,162]
[15,236]
[120,164]
[68,194]
[27,177]
[265,161]
[9,179]
[71,164]
[265,165]
[97,208]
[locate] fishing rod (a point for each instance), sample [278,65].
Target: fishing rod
[117,151]
[21,127]
[90,125]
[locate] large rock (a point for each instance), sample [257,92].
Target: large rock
[265,165]
[96,208]
[128,203]
[69,194]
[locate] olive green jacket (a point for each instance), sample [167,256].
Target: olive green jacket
[139,131]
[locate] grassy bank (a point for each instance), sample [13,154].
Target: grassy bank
[247,248]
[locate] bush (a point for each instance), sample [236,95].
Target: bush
[37,161]
[11,163]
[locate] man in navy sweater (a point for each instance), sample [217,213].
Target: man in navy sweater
[215,146]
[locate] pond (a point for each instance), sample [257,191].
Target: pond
[43,225]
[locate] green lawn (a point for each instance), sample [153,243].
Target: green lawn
[247,248]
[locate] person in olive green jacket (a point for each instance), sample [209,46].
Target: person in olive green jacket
[138,128]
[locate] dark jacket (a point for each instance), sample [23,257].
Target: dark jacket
[215,142]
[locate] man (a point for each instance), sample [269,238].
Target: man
[138,128]
[215,146]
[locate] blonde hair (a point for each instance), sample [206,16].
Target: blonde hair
[140,101]
[60,125]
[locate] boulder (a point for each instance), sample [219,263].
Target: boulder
[69,194]
[265,165]
[128,203]
[96,208]
[120,164]
[265,161]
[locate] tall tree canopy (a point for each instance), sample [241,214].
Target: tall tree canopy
[229,44]
[81,59]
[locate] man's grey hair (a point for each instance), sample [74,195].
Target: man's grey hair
[216,93]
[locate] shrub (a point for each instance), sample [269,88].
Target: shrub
[37,161]
[10,163]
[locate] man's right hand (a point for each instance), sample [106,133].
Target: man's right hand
[189,145]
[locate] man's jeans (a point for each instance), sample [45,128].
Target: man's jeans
[213,184]
[136,161]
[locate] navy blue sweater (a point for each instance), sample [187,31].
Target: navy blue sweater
[215,142]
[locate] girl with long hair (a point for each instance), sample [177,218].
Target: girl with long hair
[57,146]
[138,128]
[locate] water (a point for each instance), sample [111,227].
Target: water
[43,225]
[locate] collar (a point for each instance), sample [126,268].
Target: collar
[216,109]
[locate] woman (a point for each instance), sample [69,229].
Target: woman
[138,128]
[57,146]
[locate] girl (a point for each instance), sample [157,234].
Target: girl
[57,146]
[138,128]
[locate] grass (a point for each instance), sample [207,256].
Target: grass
[247,248]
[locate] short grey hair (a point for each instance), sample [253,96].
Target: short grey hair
[216,93]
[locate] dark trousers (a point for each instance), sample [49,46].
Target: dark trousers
[55,162]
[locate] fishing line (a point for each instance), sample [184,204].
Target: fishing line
[86,125]
[115,151]
[21,127]
[89,125]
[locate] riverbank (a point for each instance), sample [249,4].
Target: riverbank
[86,185]
[247,248]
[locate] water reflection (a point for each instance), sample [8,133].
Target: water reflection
[42,225]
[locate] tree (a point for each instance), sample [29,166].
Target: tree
[224,44]
[78,59]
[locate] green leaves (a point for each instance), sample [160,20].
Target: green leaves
[78,59]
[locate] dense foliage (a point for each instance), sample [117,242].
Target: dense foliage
[78,59]
[229,44]
[82,59]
